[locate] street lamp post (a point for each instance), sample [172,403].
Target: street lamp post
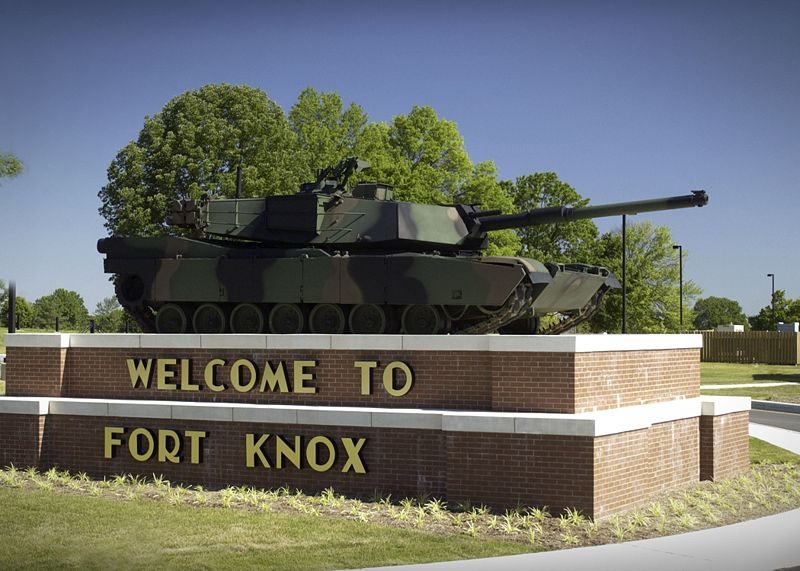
[680,281]
[773,299]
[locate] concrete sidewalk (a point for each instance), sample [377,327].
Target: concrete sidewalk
[764,544]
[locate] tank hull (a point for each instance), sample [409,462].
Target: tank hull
[399,291]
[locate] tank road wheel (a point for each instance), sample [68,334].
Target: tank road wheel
[130,289]
[209,318]
[247,318]
[421,320]
[286,318]
[326,318]
[367,318]
[171,319]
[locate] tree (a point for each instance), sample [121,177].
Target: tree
[484,190]
[108,315]
[194,147]
[325,133]
[421,155]
[786,310]
[712,311]
[571,242]
[652,281]
[10,166]
[23,310]
[67,305]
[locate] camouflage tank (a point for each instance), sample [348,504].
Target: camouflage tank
[326,260]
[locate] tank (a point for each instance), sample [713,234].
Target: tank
[329,260]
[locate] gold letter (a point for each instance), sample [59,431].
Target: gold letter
[388,378]
[353,457]
[208,374]
[133,444]
[366,375]
[110,442]
[274,378]
[236,375]
[301,375]
[163,374]
[282,449]
[139,370]
[186,377]
[253,449]
[311,453]
[171,455]
[195,445]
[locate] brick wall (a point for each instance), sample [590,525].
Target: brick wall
[631,467]
[20,439]
[35,371]
[724,449]
[458,380]
[599,476]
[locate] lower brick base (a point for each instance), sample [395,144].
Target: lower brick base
[721,452]
[597,474]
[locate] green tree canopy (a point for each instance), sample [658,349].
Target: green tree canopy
[108,316]
[325,132]
[571,242]
[23,310]
[194,147]
[712,311]
[421,155]
[10,166]
[652,282]
[67,305]
[787,310]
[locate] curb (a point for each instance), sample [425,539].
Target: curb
[776,406]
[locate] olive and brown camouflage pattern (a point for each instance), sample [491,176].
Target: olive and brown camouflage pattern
[330,261]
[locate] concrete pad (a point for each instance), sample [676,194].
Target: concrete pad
[334,416]
[786,439]
[202,411]
[104,340]
[404,418]
[80,407]
[24,405]
[719,405]
[274,414]
[137,409]
[479,422]
[555,424]
[445,342]
[158,341]
[367,342]
[237,341]
[56,340]
[298,341]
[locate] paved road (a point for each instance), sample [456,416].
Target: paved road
[785,420]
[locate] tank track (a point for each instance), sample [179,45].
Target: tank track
[585,313]
[516,307]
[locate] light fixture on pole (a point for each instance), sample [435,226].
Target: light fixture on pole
[680,281]
[773,299]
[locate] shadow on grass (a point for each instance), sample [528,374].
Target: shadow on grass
[778,377]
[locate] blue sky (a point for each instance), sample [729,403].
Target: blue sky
[625,100]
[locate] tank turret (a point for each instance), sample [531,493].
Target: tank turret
[333,260]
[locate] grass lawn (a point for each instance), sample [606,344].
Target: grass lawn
[46,529]
[735,374]
[765,453]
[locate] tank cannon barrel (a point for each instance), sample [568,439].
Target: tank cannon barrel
[560,214]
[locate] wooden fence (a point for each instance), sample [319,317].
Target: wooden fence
[769,347]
